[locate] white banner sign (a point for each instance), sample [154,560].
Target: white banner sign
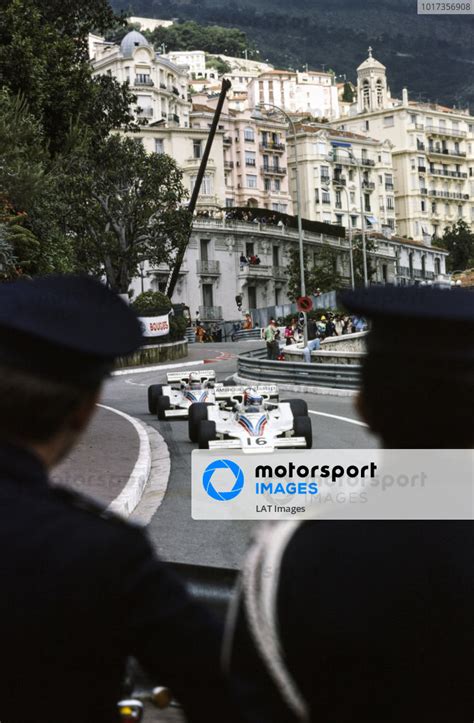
[154,325]
[333,484]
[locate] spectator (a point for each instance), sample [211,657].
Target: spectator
[200,333]
[347,325]
[313,345]
[248,323]
[271,338]
[330,327]
[243,261]
[257,259]
[253,260]
[339,325]
[321,324]
[290,332]
[312,329]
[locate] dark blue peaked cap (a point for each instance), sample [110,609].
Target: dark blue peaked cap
[417,324]
[417,303]
[66,327]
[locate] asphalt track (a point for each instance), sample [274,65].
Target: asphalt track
[175,535]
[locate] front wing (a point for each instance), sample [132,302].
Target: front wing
[258,445]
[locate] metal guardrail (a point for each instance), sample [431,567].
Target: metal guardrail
[253,365]
[246,334]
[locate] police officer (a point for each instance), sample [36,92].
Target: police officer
[354,621]
[80,590]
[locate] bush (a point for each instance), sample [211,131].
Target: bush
[150,303]
[178,326]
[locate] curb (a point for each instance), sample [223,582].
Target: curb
[157,483]
[131,494]
[303,389]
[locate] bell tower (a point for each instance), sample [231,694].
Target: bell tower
[372,89]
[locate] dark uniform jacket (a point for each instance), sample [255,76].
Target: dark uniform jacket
[375,622]
[79,593]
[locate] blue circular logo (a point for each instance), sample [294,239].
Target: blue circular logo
[238,476]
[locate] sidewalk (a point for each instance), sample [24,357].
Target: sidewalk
[102,462]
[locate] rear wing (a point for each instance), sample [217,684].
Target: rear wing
[269,393]
[183,377]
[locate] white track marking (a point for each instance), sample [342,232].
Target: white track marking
[134,384]
[163,367]
[341,419]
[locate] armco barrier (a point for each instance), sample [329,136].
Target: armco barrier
[247,334]
[253,365]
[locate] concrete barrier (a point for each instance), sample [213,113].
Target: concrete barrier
[153,354]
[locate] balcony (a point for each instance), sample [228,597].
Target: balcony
[389,186]
[250,162]
[448,174]
[173,117]
[144,80]
[227,140]
[210,313]
[421,169]
[256,271]
[420,146]
[228,165]
[273,170]
[275,147]
[450,196]
[175,90]
[208,268]
[451,132]
[163,86]
[367,162]
[368,185]
[339,181]
[438,151]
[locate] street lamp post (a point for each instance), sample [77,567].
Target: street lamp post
[298,208]
[362,216]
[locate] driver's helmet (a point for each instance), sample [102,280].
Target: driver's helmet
[253,401]
[195,381]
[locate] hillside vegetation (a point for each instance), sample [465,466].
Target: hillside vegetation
[432,56]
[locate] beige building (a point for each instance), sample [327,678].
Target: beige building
[433,153]
[313,92]
[344,176]
[160,86]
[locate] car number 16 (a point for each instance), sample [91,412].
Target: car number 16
[259,441]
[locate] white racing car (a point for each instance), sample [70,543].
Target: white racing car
[182,391]
[252,419]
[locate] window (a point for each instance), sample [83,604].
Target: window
[267,184]
[204,244]
[250,158]
[276,256]
[326,197]
[367,202]
[207,295]
[339,219]
[338,199]
[197,149]
[390,203]
[351,175]
[353,197]
[366,94]
[437,263]
[249,134]
[251,181]
[379,89]
[354,221]
[252,297]
[460,210]
[277,185]
[324,173]
[367,125]
[249,248]
[423,206]
[229,202]
[316,195]
[389,121]
[159,145]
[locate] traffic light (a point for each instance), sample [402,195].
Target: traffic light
[238,301]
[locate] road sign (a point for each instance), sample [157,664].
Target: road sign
[304,303]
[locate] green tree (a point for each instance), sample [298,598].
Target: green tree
[320,271]
[459,241]
[348,94]
[43,57]
[124,207]
[358,257]
[210,38]
[218,64]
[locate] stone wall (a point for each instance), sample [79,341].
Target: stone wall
[154,355]
[346,349]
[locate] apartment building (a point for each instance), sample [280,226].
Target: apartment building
[254,158]
[194,60]
[345,178]
[160,85]
[313,92]
[433,153]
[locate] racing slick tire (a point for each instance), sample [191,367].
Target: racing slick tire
[162,404]
[197,414]
[155,391]
[299,408]
[302,427]
[207,433]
